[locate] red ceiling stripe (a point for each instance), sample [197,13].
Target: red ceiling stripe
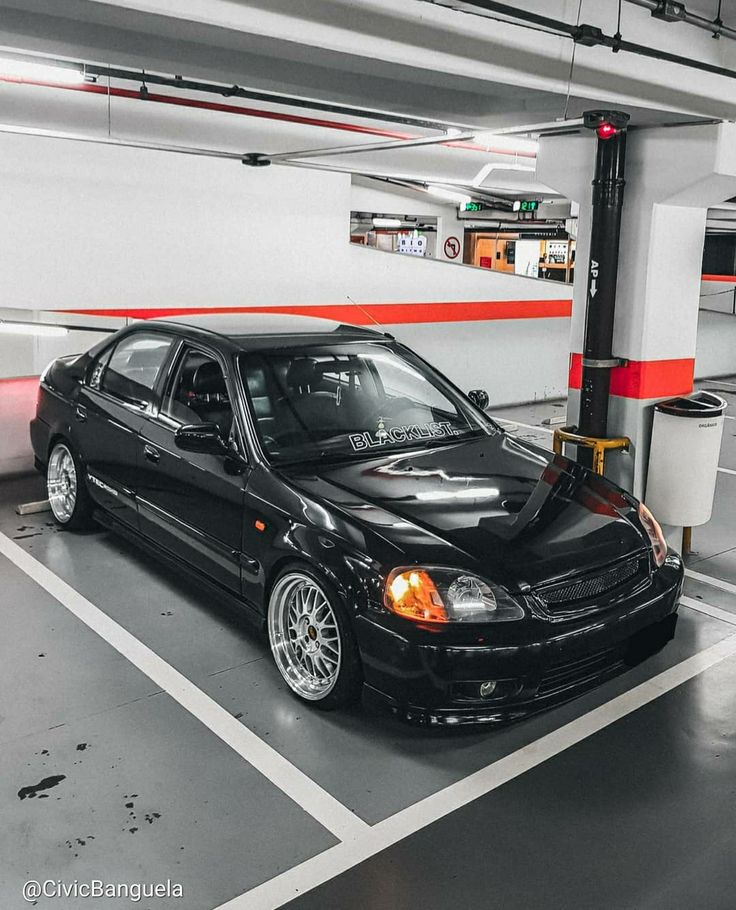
[371,313]
[643,378]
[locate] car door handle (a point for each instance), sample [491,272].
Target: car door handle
[80,412]
[152,454]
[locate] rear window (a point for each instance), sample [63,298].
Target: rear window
[133,367]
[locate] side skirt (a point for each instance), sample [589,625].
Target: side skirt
[241,607]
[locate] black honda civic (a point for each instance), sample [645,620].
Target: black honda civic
[387,533]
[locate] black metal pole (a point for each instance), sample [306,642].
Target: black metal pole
[608,197]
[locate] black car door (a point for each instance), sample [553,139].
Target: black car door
[108,415]
[191,503]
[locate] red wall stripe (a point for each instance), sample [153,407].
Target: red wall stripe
[643,378]
[731,278]
[371,313]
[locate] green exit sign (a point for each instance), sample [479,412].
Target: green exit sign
[526,205]
[472,206]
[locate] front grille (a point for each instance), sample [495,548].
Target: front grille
[582,593]
[574,673]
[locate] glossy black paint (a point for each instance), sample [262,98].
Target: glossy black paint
[235,520]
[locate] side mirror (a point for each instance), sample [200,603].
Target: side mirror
[480,398]
[201,437]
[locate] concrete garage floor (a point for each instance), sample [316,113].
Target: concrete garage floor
[166,748]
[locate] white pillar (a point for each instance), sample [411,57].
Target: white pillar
[672,176]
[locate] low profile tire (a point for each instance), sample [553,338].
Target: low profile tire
[312,640]
[66,488]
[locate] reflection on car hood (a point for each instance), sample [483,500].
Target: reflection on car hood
[501,506]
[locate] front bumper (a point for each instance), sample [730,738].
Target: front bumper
[434,677]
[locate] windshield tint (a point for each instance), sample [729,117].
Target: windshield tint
[352,401]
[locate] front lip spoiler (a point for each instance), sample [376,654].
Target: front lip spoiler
[507,714]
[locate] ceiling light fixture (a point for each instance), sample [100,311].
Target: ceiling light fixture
[387,222]
[32,328]
[447,195]
[25,70]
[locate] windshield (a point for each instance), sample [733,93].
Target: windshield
[352,401]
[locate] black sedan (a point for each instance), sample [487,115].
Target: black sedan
[389,535]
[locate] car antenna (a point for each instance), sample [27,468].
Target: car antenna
[363,310]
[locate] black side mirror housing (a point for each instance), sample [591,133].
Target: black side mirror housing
[205,438]
[480,398]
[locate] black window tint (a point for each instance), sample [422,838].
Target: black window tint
[98,368]
[134,366]
[198,393]
[351,401]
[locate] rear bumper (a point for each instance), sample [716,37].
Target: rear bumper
[427,679]
[40,432]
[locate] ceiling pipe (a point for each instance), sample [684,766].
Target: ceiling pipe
[584,34]
[210,153]
[145,78]
[679,13]
[452,138]
[356,149]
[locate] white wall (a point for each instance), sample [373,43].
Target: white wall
[100,227]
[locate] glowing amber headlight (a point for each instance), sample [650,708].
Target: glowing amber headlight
[434,594]
[654,532]
[413,594]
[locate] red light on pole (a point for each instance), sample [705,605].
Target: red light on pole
[606,130]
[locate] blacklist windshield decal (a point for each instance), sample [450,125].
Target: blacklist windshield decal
[382,436]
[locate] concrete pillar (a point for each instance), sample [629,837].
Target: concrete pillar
[672,176]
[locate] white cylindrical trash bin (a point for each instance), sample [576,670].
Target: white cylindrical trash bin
[683,459]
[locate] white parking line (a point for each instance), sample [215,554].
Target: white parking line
[708,609]
[312,798]
[518,423]
[711,580]
[336,860]
[726,471]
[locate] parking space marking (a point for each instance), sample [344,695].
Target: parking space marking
[709,610]
[338,859]
[726,470]
[518,423]
[308,795]
[711,580]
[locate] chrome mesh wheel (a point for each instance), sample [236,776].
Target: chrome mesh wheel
[304,636]
[61,483]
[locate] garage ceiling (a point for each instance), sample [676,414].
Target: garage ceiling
[299,61]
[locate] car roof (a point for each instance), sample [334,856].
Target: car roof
[240,327]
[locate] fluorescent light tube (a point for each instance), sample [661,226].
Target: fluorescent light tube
[387,222]
[32,328]
[40,72]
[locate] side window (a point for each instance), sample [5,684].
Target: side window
[134,366]
[198,392]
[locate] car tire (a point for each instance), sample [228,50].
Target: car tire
[312,640]
[66,488]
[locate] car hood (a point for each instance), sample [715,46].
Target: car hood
[505,508]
